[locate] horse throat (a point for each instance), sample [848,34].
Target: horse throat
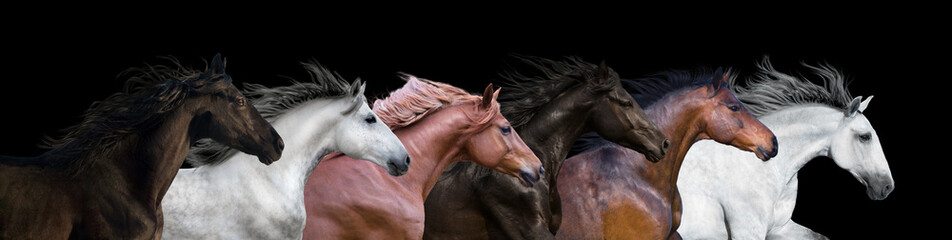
[433,143]
[552,131]
[678,119]
[804,134]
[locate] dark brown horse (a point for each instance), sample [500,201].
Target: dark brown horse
[611,192]
[106,178]
[550,111]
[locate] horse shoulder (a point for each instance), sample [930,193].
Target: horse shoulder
[28,195]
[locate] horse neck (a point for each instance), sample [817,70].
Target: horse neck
[803,132]
[552,131]
[307,134]
[432,143]
[149,160]
[677,117]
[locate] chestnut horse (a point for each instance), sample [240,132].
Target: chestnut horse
[438,124]
[612,192]
[550,111]
[106,178]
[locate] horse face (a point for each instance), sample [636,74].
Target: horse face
[228,118]
[499,147]
[361,135]
[619,119]
[856,148]
[728,121]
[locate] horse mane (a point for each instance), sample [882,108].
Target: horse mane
[149,93]
[770,90]
[420,97]
[526,94]
[272,103]
[649,90]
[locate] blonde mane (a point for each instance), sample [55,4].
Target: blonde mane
[420,97]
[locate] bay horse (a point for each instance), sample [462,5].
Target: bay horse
[230,197]
[105,179]
[550,111]
[612,192]
[439,124]
[754,200]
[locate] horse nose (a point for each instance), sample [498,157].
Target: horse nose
[529,178]
[887,190]
[664,146]
[278,142]
[774,141]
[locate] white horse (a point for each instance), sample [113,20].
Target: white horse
[727,193]
[237,198]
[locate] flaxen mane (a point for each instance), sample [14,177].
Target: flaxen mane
[770,90]
[420,97]
[271,103]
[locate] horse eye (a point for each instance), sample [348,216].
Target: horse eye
[506,130]
[865,137]
[370,119]
[627,104]
[734,108]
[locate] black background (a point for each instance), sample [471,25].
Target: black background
[51,72]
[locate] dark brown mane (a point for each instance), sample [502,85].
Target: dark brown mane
[150,92]
[524,94]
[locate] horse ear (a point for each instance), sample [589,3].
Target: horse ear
[217,65]
[603,71]
[865,103]
[487,97]
[720,79]
[853,108]
[357,87]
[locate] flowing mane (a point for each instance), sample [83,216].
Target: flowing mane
[420,97]
[149,93]
[649,90]
[770,90]
[526,94]
[272,103]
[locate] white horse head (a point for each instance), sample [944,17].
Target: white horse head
[361,135]
[856,148]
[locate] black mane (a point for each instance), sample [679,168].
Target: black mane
[649,90]
[524,95]
[150,92]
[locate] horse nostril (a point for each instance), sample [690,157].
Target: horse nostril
[774,141]
[541,170]
[408,161]
[888,189]
[279,144]
[664,145]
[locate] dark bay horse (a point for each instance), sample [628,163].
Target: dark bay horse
[550,111]
[438,124]
[106,178]
[611,192]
